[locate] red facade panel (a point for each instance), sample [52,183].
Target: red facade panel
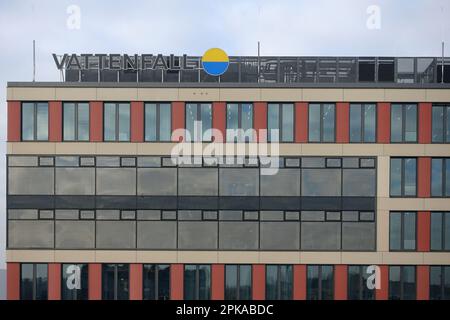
[383,122]
[178,118]
[96,121]
[383,292]
[260,121]
[54,281]
[95,281]
[176,281]
[423,231]
[299,285]
[218,282]
[340,282]
[424,177]
[136,281]
[342,122]
[137,121]
[55,121]
[13,281]
[219,121]
[14,121]
[259,281]
[424,122]
[301,122]
[423,283]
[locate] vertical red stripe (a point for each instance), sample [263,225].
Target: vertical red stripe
[424,122]
[261,121]
[423,231]
[301,122]
[96,121]
[14,121]
[178,118]
[13,281]
[423,283]
[95,281]
[218,282]
[299,290]
[137,121]
[176,281]
[259,282]
[384,122]
[424,177]
[136,281]
[342,122]
[383,292]
[219,120]
[55,121]
[54,281]
[340,282]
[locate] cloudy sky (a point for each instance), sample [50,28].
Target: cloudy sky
[289,27]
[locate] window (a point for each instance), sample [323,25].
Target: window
[440,177]
[239,122]
[202,114]
[440,231]
[402,231]
[116,122]
[440,124]
[319,284]
[158,121]
[280,117]
[197,282]
[402,282]
[321,122]
[279,281]
[403,177]
[404,123]
[74,284]
[34,121]
[357,284]
[33,281]
[75,121]
[362,122]
[115,279]
[238,282]
[156,282]
[439,282]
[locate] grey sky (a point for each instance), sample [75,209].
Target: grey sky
[318,27]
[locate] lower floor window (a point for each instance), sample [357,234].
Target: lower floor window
[74,284]
[115,281]
[358,286]
[320,281]
[197,282]
[402,282]
[440,283]
[238,282]
[33,281]
[156,281]
[279,281]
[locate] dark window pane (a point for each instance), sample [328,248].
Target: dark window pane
[108,283]
[396,123]
[26,281]
[27,121]
[206,118]
[232,121]
[447,177]
[438,124]
[191,118]
[355,123]
[41,281]
[447,282]
[149,275]
[271,282]
[411,123]
[436,231]
[273,124]
[124,122]
[394,283]
[395,231]
[285,282]
[447,125]
[165,122]
[231,282]
[409,282]
[190,282]
[83,121]
[163,282]
[314,122]
[74,282]
[150,122]
[447,231]
[245,282]
[436,177]
[328,122]
[327,283]
[409,230]
[288,122]
[396,177]
[110,122]
[42,121]
[436,283]
[369,123]
[122,282]
[204,281]
[354,282]
[69,121]
[410,176]
[312,285]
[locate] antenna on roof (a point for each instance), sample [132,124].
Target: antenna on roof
[442,35]
[259,62]
[34,60]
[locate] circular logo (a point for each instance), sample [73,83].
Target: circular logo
[215,62]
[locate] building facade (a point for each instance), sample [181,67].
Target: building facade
[98,209]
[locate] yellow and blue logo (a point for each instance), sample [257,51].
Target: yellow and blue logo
[215,62]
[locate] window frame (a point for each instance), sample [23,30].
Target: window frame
[321,104]
[238,283]
[34,139]
[363,106]
[402,177]
[76,133]
[442,285]
[402,231]
[361,282]
[403,105]
[239,104]
[156,279]
[402,282]
[74,293]
[199,118]
[116,280]
[280,122]
[117,121]
[158,121]
[34,283]
[445,119]
[443,174]
[319,279]
[278,284]
[443,214]
[197,281]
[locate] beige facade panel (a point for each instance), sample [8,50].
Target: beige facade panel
[364,95]
[32,94]
[71,256]
[361,257]
[320,257]
[156,256]
[197,256]
[30,256]
[238,257]
[117,94]
[437,150]
[116,256]
[437,204]
[366,149]
[32,147]
[326,149]
[240,95]
[382,230]
[437,95]
[282,95]
[436,258]
[156,149]
[401,204]
[323,95]
[119,148]
[155,94]
[76,148]
[280,257]
[383,165]
[191,94]
[405,95]
[73,94]
[404,150]
[402,258]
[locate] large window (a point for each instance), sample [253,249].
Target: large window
[33,281]
[357,284]
[440,231]
[34,121]
[279,281]
[239,122]
[402,231]
[280,122]
[115,282]
[197,282]
[362,122]
[403,123]
[116,121]
[158,119]
[439,282]
[198,121]
[321,123]
[319,285]
[74,282]
[441,124]
[403,177]
[238,282]
[402,282]
[156,281]
[75,121]
[440,177]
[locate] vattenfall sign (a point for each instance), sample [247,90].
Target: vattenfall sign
[214,62]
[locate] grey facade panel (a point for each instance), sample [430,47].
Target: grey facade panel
[157,181]
[116,181]
[74,234]
[197,235]
[116,234]
[238,182]
[197,182]
[279,235]
[238,235]
[32,181]
[157,235]
[321,182]
[75,181]
[358,182]
[358,236]
[321,236]
[285,183]
[30,234]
